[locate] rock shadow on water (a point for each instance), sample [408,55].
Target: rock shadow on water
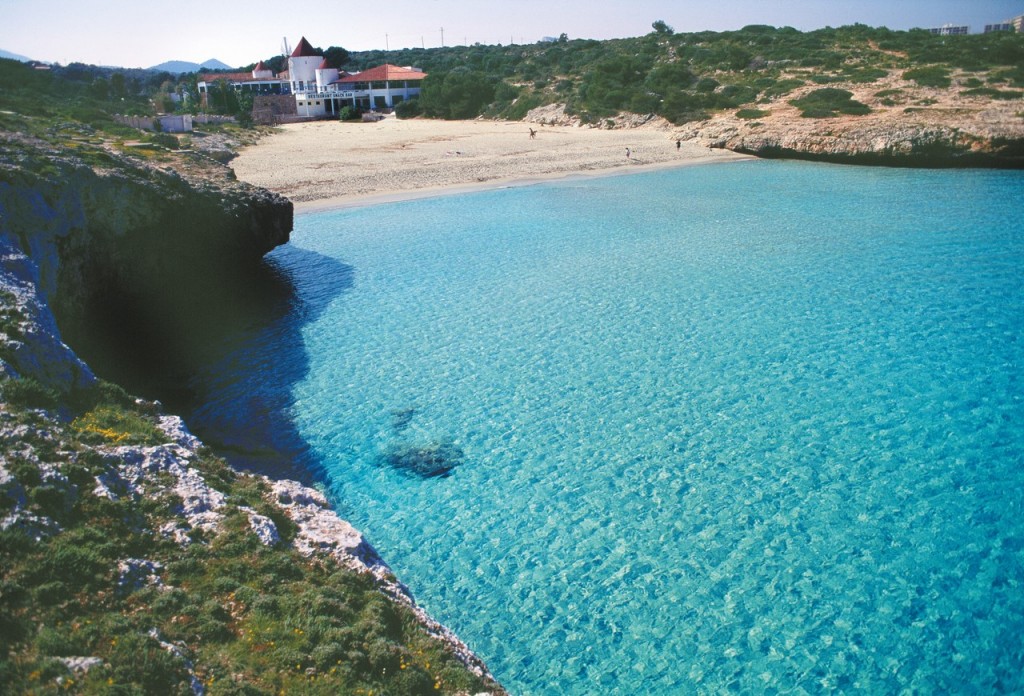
[431,460]
[226,353]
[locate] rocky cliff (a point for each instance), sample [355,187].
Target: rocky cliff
[129,553]
[907,125]
[114,236]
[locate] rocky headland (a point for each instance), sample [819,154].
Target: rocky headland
[128,495]
[907,126]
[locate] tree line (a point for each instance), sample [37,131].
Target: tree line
[680,76]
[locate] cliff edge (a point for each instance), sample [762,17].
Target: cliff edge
[116,235]
[131,556]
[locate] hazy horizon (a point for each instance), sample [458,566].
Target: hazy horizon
[131,35]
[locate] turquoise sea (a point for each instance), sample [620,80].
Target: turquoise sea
[753,427]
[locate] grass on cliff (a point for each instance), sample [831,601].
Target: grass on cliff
[248,618]
[829,102]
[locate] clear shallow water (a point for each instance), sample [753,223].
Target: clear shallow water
[754,427]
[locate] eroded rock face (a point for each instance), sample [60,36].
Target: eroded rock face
[927,128]
[30,339]
[865,142]
[130,240]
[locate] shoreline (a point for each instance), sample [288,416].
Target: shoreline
[326,165]
[386,197]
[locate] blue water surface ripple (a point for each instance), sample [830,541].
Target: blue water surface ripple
[754,427]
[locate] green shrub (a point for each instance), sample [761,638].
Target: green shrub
[348,113]
[112,424]
[268,605]
[164,140]
[522,105]
[891,97]
[738,94]
[410,108]
[412,680]
[171,601]
[326,655]
[993,93]
[246,595]
[1015,76]
[783,87]
[828,102]
[751,114]
[82,567]
[138,664]
[929,76]
[866,75]
[28,393]
[51,593]
[706,84]
[224,585]
[56,643]
[52,501]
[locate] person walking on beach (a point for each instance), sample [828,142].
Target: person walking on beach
[627,153]
[533,134]
[679,144]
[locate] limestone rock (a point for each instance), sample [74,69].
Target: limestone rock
[36,350]
[133,573]
[946,129]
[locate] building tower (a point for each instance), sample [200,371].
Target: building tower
[302,66]
[325,75]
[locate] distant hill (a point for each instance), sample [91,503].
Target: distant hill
[13,56]
[184,66]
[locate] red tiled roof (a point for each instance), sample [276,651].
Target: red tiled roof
[383,73]
[303,50]
[323,65]
[259,66]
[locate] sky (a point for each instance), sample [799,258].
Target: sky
[143,33]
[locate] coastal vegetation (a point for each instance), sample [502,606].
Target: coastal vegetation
[74,109]
[682,77]
[687,76]
[823,103]
[95,600]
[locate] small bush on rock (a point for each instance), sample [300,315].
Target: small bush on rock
[828,102]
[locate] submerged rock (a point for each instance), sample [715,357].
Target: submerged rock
[435,459]
[401,418]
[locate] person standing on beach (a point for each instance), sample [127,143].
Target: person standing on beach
[627,153]
[679,144]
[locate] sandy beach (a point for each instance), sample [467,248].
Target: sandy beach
[339,164]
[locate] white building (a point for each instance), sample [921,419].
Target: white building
[259,81]
[381,87]
[321,90]
[951,30]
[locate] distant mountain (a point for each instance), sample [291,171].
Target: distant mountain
[214,64]
[184,66]
[13,56]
